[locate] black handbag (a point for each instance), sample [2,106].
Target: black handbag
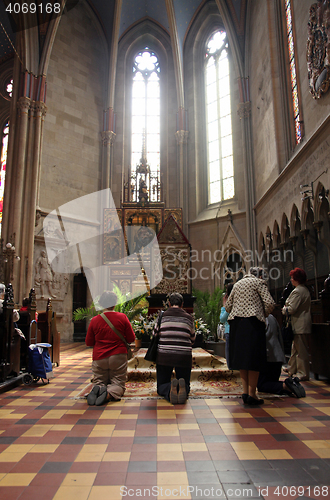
[151,354]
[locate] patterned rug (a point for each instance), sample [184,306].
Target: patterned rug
[210,377]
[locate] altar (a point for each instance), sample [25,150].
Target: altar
[147,237]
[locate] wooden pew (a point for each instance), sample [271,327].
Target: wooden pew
[28,326]
[320,338]
[10,341]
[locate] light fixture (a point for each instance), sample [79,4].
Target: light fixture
[7,257]
[308,194]
[323,193]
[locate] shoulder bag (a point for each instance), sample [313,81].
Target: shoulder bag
[151,354]
[129,350]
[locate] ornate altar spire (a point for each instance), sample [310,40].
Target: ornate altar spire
[143,167]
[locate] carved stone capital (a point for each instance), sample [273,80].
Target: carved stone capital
[293,240]
[24,104]
[108,137]
[318,224]
[244,109]
[305,233]
[39,108]
[38,216]
[181,136]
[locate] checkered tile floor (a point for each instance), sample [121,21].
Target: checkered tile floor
[53,446]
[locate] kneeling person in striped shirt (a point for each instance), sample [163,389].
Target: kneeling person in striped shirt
[176,337]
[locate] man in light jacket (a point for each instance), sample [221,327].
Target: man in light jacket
[298,306]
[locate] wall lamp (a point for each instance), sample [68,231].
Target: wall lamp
[308,194]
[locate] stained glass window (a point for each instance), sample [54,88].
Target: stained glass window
[9,88]
[3,162]
[146,109]
[218,119]
[293,75]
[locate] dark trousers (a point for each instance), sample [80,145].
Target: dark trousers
[269,379]
[164,374]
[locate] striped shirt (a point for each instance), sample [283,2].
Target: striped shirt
[176,336]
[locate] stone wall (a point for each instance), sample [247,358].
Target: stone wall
[71,157]
[208,224]
[262,104]
[142,35]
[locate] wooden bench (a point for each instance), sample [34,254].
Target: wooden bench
[10,341]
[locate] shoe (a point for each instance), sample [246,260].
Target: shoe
[92,396]
[302,379]
[254,401]
[103,396]
[245,397]
[112,398]
[182,394]
[295,387]
[174,391]
[285,370]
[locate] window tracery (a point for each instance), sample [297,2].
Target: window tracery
[293,73]
[3,163]
[146,109]
[218,119]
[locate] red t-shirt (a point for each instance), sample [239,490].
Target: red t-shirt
[104,340]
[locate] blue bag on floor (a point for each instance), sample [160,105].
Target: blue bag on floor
[40,364]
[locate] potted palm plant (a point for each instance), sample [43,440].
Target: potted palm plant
[207,309]
[133,307]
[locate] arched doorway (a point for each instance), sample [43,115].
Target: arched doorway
[79,300]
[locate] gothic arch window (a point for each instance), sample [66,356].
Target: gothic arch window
[6,85]
[218,119]
[297,119]
[146,109]
[3,163]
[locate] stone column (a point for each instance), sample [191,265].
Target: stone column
[244,112]
[16,217]
[31,199]
[182,178]
[108,139]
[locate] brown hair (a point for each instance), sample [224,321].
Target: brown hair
[176,299]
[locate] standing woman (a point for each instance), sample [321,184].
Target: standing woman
[248,305]
[224,321]
[109,364]
[298,306]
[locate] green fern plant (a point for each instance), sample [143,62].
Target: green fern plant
[85,312]
[131,306]
[207,307]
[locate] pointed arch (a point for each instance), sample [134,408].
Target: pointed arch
[150,34]
[321,200]
[214,181]
[261,244]
[295,222]
[307,213]
[285,229]
[52,32]
[276,235]
[269,240]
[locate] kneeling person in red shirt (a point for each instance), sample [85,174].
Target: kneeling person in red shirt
[109,364]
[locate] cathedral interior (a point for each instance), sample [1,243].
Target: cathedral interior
[203,125]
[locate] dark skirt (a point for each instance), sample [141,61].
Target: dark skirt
[247,346]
